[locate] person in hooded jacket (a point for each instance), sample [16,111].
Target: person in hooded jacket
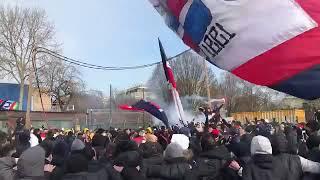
[266,167]
[59,155]
[174,167]
[313,155]
[212,162]
[22,142]
[152,153]
[31,163]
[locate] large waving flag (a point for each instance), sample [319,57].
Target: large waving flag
[274,43]
[173,87]
[149,107]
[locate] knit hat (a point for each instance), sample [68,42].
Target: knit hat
[260,145]
[173,150]
[77,145]
[180,139]
[31,162]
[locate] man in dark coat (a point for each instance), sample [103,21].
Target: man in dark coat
[282,167]
[175,166]
[212,162]
[31,163]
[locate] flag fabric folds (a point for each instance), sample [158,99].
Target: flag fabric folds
[149,107]
[172,83]
[267,42]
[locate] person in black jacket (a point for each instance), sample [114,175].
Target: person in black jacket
[212,162]
[281,167]
[174,167]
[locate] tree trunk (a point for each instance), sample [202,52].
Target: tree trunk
[21,95]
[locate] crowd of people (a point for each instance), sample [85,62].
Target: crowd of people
[257,150]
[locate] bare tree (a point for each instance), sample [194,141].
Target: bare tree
[189,74]
[61,81]
[244,96]
[92,99]
[21,30]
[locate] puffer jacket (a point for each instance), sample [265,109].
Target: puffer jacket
[213,165]
[6,168]
[261,168]
[173,169]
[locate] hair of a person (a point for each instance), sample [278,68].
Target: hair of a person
[207,142]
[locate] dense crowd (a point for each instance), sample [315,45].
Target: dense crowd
[257,150]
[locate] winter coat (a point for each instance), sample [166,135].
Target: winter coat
[31,162]
[84,176]
[6,168]
[173,169]
[129,159]
[60,168]
[261,168]
[151,149]
[313,155]
[290,166]
[213,164]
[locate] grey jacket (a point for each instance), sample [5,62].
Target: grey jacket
[6,168]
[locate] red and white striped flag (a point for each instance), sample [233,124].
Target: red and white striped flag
[173,86]
[273,43]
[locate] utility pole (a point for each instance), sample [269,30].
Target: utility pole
[143,120]
[110,104]
[207,80]
[30,90]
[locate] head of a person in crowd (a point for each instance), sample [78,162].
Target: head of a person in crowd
[98,140]
[279,143]
[151,138]
[149,130]
[77,146]
[181,139]
[3,137]
[80,136]
[70,133]
[151,149]
[208,142]
[36,131]
[142,133]
[77,163]
[123,144]
[6,148]
[260,145]
[127,131]
[313,142]
[50,135]
[47,145]
[60,149]
[186,131]
[312,126]
[99,131]
[174,151]
[31,162]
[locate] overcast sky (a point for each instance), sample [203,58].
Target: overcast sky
[110,33]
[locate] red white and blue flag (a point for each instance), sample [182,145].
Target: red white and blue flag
[149,107]
[172,83]
[273,43]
